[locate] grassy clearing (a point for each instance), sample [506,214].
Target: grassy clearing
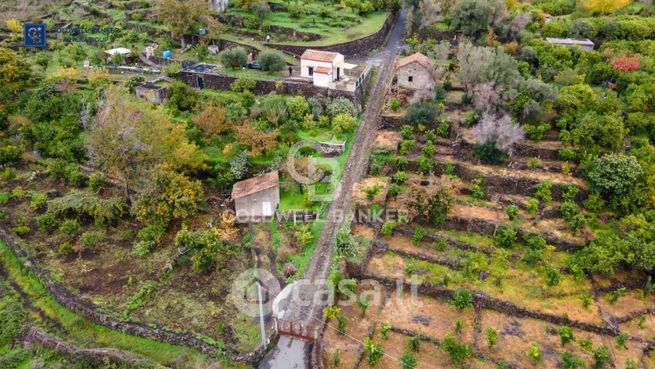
[334,35]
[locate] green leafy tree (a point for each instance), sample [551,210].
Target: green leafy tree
[492,336]
[475,16]
[616,177]
[234,57]
[421,113]
[271,61]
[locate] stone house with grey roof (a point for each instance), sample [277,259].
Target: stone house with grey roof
[256,199]
[415,72]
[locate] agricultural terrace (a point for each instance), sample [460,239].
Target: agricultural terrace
[527,178]
[145,236]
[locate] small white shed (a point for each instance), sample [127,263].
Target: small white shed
[585,44]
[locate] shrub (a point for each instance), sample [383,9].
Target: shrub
[615,176]
[65,249]
[533,163]
[69,227]
[173,70]
[73,175]
[90,239]
[614,296]
[488,153]
[331,312]
[243,84]
[97,181]
[570,361]
[408,360]
[512,212]
[458,352]
[492,336]
[387,228]
[21,230]
[602,357]
[414,343]
[421,113]
[477,188]
[343,123]
[46,222]
[341,324]
[234,57]
[622,340]
[505,237]
[566,335]
[271,61]
[38,201]
[443,129]
[462,299]
[568,209]
[553,276]
[384,330]
[400,177]
[406,132]
[394,105]
[534,353]
[374,351]
[143,248]
[419,234]
[532,206]
[406,146]
[340,105]
[9,154]
[371,191]
[345,244]
[543,191]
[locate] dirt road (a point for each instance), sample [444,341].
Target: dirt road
[290,352]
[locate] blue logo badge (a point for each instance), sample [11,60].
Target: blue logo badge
[34,35]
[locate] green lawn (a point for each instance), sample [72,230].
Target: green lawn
[333,35]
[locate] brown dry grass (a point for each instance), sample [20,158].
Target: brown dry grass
[646,331]
[631,302]
[430,356]
[427,316]
[513,348]
[359,194]
[387,140]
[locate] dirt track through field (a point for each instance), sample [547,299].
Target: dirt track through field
[305,308]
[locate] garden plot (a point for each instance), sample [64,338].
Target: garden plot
[429,355]
[642,326]
[622,303]
[518,335]
[515,282]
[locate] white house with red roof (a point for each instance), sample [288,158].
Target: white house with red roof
[323,67]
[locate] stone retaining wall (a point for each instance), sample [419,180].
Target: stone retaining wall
[355,48]
[36,337]
[489,227]
[91,312]
[263,87]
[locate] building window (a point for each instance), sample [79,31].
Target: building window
[310,71]
[410,79]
